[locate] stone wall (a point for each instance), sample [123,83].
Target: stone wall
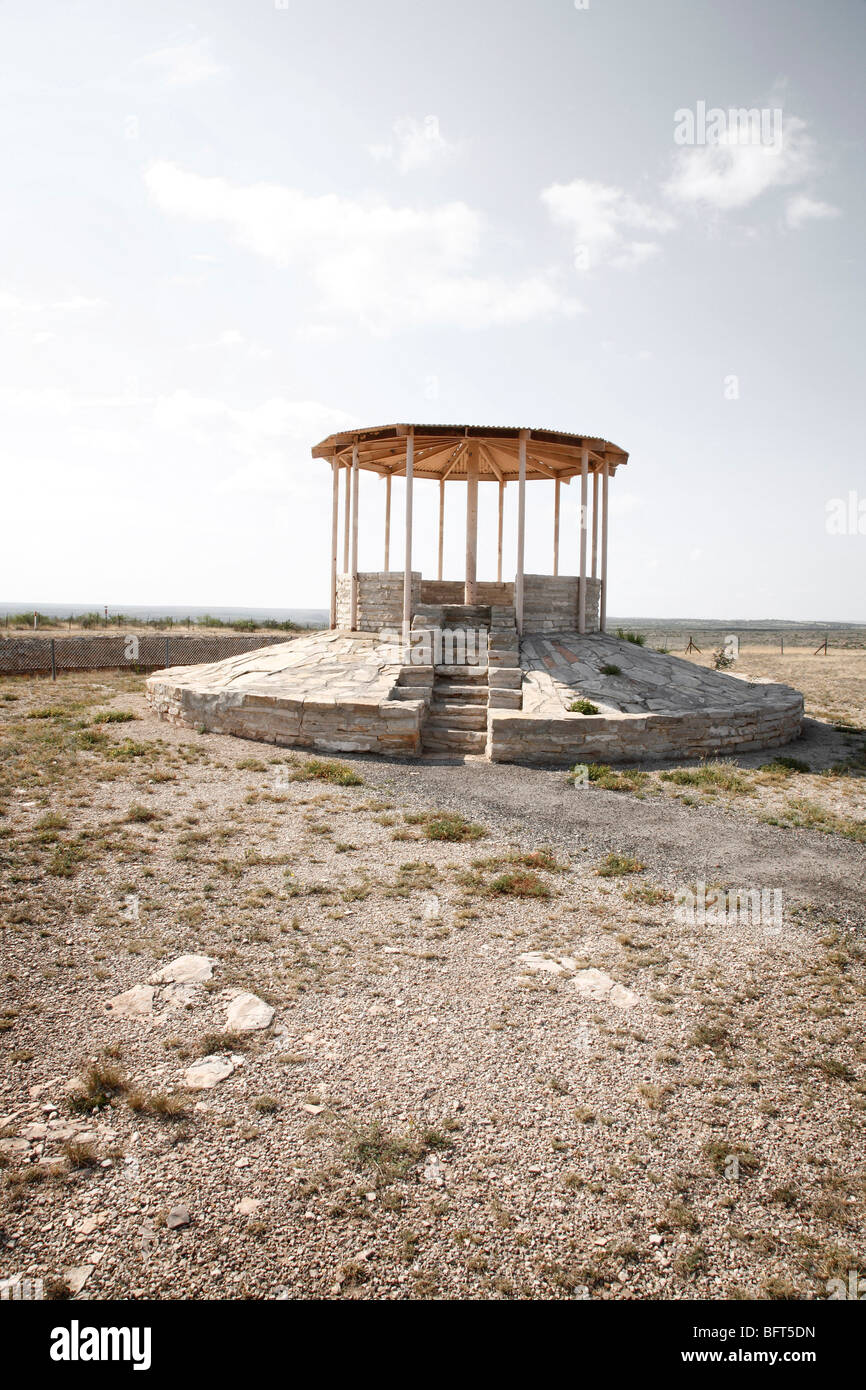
[328,725]
[550,604]
[380,599]
[575,738]
[436,591]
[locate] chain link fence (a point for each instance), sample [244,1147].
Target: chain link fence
[149,652]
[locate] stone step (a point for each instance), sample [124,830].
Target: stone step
[447,715]
[467,614]
[506,677]
[465,694]
[505,699]
[454,741]
[476,674]
[415,675]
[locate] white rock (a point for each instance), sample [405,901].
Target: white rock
[10,1147]
[432,1171]
[180,996]
[204,1075]
[247,1013]
[76,1277]
[133,1003]
[248,1206]
[186,970]
[537,960]
[594,984]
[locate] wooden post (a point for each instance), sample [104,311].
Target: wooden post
[521,531]
[499,532]
[407,568]
[602,615]
[335,536]
[347,520]
[441,524]
[470,591]
[581,598]
[556,527]
[387,522]
[595,525]
[355,474]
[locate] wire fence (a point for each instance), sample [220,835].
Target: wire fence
[151,652]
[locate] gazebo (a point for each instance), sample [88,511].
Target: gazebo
[508,670]
[471,454]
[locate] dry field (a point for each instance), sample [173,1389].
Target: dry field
[501,1065]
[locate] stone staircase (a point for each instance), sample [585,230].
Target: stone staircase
[457,716]
[505,678]
[456,720]
[461,679]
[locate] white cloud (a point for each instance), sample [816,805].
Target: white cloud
[388,268]
[800,209]
[603,220]
[12,303]
[731,174]
[414,144]
[185,64]
[232,340]
[267,446]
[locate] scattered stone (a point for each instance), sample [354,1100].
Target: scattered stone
[186,970]
[180,996]
[10,1147]
[52,1164]
[539,961]
[432,1171]
[204,1075]
[247,1013]
[133,1003]
[177,1217]
[248,1206]
[76,1276]
[594,984]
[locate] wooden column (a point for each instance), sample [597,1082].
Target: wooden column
[335,536]
[470,590]
[441,524]
[387,522]
[355,473]
[521,531]
[499,531]
[347,520]
[584,494]
[602,616]
[556,527]
[407,566]
[595,525]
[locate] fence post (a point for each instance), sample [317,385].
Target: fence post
[53,662]
[167,662]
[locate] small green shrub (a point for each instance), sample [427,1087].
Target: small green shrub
[616,865]
[327,770]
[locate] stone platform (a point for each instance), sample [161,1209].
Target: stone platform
[352,692]
[332,691]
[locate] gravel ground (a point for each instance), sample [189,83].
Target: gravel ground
[463,1092]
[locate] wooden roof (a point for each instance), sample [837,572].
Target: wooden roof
[443,451]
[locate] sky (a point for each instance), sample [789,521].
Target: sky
[235,226]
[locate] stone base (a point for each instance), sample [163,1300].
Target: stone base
[333,692]
[340,692]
